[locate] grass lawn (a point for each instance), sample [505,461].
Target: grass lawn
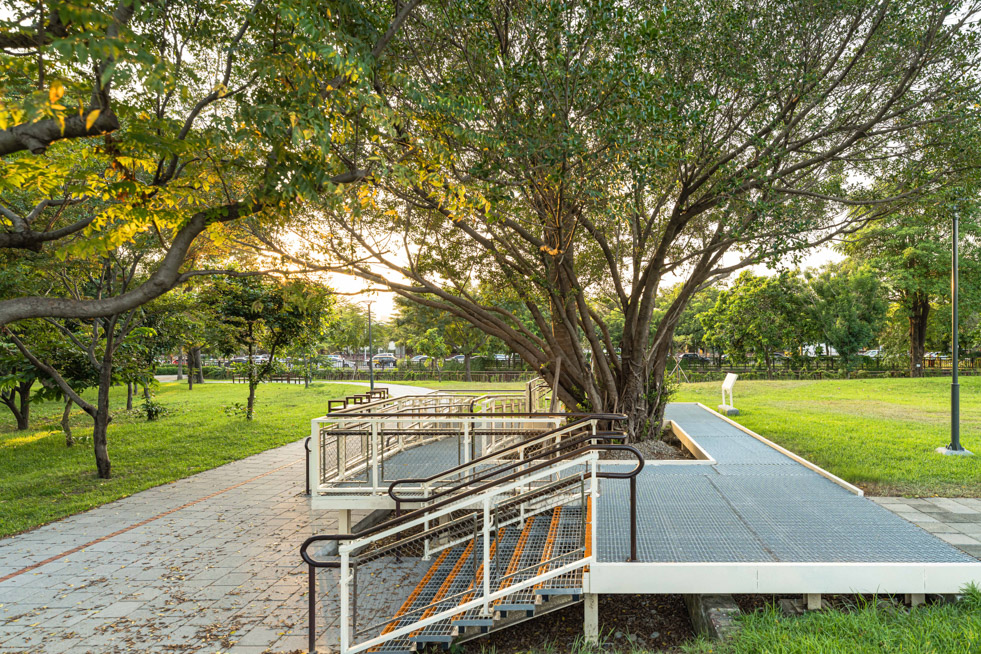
[871,629]
[43,480]
[879,434]
[868,628]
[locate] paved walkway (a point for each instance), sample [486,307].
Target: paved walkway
[957,520]
[206,564]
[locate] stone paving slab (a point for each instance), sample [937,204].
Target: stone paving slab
[216,567]
[954,520]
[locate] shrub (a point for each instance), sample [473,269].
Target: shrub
[152,410]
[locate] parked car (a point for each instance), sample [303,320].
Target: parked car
[384,361]
[870,353]
[419,359]
[692,357]
[336,361]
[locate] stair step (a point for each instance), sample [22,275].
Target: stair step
[457,581]
[418,599]
[456,577]
[568,537]
[538,544]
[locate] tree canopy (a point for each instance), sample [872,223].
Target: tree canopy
[568,155]
[120,118]
[569,151]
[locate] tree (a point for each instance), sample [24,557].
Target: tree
[911,252]
[582,151]
[17,378]
[98,340]
[689,335]
[431,344]
[120,118]
[460,336]
[266,313]
[850,309]
[764,314]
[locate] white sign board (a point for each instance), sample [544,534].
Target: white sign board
[727,385]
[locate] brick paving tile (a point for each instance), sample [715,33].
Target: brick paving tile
[221,575]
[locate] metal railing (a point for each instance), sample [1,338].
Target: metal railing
[503,459]
[354,450]
[468,521]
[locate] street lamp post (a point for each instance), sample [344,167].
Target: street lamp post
[955,448]
[371,359]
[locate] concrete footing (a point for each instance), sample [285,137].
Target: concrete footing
[370,520]
[946,451]
[727,410]
[809,602]
[590,618]
[712,616]
[344,521]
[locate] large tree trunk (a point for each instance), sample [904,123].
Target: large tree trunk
[180,363]
[66,423]
[102,418]
[919,311]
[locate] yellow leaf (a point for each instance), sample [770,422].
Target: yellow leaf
[91,118]
[56,91]
[61,123]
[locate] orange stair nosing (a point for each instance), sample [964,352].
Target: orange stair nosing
[549,544]
[407,604]
[443,589]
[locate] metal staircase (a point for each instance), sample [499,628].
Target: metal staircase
[503,546]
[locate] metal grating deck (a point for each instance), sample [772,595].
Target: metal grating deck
[754,505]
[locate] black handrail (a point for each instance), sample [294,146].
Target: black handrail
[487,474]
[514,446]
[306,474]
[313,564]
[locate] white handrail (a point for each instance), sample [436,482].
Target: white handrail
[484,596]
[350,446]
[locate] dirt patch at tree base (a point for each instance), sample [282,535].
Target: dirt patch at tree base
[666,449]
[627,622]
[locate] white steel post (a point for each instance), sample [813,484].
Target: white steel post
[341,454]
[594,494]
[425,551]
[345,603]
[313,471]
[486,557]
[375,451]
[466,441]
